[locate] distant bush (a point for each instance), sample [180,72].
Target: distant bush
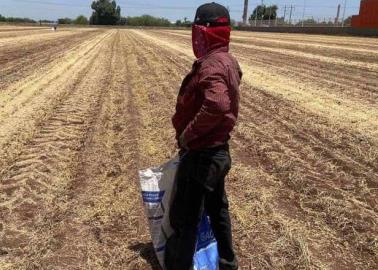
[81,20]
[46,21]
[348,21]
[65,21]
[145,20]
[184,23]
[16,20]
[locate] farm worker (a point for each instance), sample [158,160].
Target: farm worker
[206,112]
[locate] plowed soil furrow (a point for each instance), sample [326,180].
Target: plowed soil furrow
[368,56]
[368,165]
[81,123]
[243,237]
[16,65]
[316,98]
[337,58]
[311,178]
[20,33]
[301,156]
[13,52]
[11,28]
[321,39]
[330,76]
[28,103]
[312,136]
[364,81]
[355,43]
[43,169]
[278,61]
[350,53]
[26,40]
[317,134]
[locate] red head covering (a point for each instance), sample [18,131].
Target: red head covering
[207,38]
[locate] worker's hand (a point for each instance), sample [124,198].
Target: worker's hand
[182,142]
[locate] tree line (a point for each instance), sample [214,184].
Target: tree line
[144,20]
[16,20]
[81,19]
[106,12]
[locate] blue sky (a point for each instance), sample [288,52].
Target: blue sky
[171,9]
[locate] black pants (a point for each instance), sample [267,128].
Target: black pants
[200,186]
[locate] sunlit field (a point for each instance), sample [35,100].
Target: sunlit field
[83,109]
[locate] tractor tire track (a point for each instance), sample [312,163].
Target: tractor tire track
[271,136]
[364,83]
[32,101]
[44,166]
[17,64]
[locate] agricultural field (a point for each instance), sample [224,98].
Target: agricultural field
[81,110]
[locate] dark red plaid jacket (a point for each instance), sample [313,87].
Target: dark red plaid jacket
[208,102]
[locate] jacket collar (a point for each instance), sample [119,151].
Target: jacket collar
[212,52]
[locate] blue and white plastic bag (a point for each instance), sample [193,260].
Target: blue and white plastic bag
[157,190]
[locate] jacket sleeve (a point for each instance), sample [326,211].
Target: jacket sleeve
[213,84]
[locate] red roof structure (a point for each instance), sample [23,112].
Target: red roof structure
[368,17]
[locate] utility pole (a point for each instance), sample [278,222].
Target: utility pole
[276,20]
[304,12]
[284,17]
[291,13]
[262,17]
[245,13]
[256,16]
[338,15]
[270,13]
[343,22]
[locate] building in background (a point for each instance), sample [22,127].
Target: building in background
[368,17]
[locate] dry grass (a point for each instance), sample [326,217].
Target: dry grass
[303,188]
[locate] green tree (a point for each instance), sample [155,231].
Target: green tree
[147,20]
[122,21]
[81,20]
[46,21]
[348,21]
[105,12]
[65,21]
[186,22]
[19,20]
[263,12]
[16,20]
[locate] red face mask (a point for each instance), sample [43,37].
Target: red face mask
[206,39]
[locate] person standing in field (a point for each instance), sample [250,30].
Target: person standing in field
[206,113]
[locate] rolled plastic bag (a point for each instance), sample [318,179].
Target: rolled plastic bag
[158,189]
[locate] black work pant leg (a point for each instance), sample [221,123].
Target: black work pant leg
[185,215]
[216,205]
[214,166]
[200,184]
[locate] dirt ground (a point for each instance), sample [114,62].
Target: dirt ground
[81,110]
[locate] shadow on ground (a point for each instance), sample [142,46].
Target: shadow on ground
[146,251]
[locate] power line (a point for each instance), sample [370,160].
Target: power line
[144,7]
[128,4]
